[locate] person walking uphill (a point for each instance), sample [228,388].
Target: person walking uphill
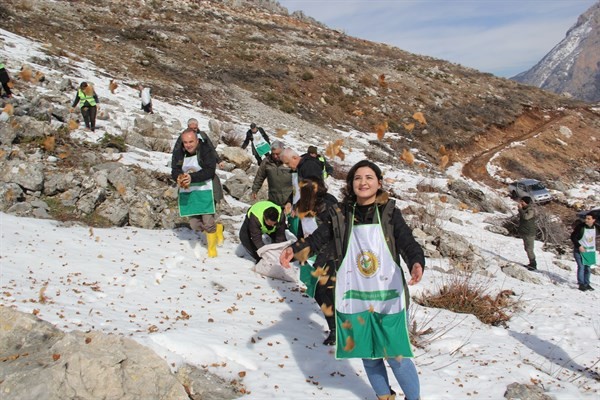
[584,238]
[261,144]
[4,80]
[278,176]
[527,229]
[194,170]
[87,100]
[264,217]
[371,294]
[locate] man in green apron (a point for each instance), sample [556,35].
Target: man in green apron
[194,170]
[261,144]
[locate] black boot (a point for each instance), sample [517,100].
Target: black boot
[582,287]
[588,287]
[330,341]
[532,265]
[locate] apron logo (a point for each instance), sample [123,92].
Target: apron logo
[367,263]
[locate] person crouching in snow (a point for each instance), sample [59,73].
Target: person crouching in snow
[264,217]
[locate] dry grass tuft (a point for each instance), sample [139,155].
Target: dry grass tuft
[232,139]
[112,86]
[25,74]
[49,144]
[407,157]
[382,83]
[9,109]
[335,150]
[72,125]
[381,129]
[464,294]
[444,161]
[420,118]
[280,132]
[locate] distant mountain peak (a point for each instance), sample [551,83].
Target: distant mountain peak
[572,67]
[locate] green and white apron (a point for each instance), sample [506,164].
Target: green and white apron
[198,199]
[261,146]
[369,299]
[309,225]
[588,241]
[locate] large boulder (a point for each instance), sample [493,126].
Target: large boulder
[27,174]
[41,362]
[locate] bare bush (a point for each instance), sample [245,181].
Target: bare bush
[464,294]
[232,139]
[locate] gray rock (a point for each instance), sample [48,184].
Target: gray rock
[8,134]
[237,156]
[70,197]
[10,194]
[28,175]
[40,213]
[497,229]
[120,177]
[57,182]
[88,203]
[238,185]
[37,203]
[141,213]
[519,272]
[114,210]
[20,209]
[519,391]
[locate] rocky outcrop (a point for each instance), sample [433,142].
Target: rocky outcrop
[41,362]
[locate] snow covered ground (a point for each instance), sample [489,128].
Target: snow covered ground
[158,287]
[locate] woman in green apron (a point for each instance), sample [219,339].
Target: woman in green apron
[318,274]
[371,296]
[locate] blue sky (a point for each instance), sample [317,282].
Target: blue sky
[503,37]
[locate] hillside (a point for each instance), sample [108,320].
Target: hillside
[236,59]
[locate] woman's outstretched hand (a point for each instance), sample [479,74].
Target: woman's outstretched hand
[416,274]
[286,256]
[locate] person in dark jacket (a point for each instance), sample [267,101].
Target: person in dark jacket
[302,167]
[87,99]
[327,168]
[313,209]
[194,168]
[584,237]
[261,144]
[263,217]
[203,137]
[4,80]
[527,229]
[278,176]
[370,286]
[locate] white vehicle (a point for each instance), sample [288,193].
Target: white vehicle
[530,187]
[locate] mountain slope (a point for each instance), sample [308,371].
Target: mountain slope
[203,51]
[573,65]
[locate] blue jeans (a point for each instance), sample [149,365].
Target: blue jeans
[404,370]
[583,271]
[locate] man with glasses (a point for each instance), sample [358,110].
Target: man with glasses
[278,176]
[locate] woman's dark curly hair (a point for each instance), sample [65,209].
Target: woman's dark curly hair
[348,191]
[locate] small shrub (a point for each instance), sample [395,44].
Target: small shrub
[463,294]
[232,139]
[307,76]
[116,142]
